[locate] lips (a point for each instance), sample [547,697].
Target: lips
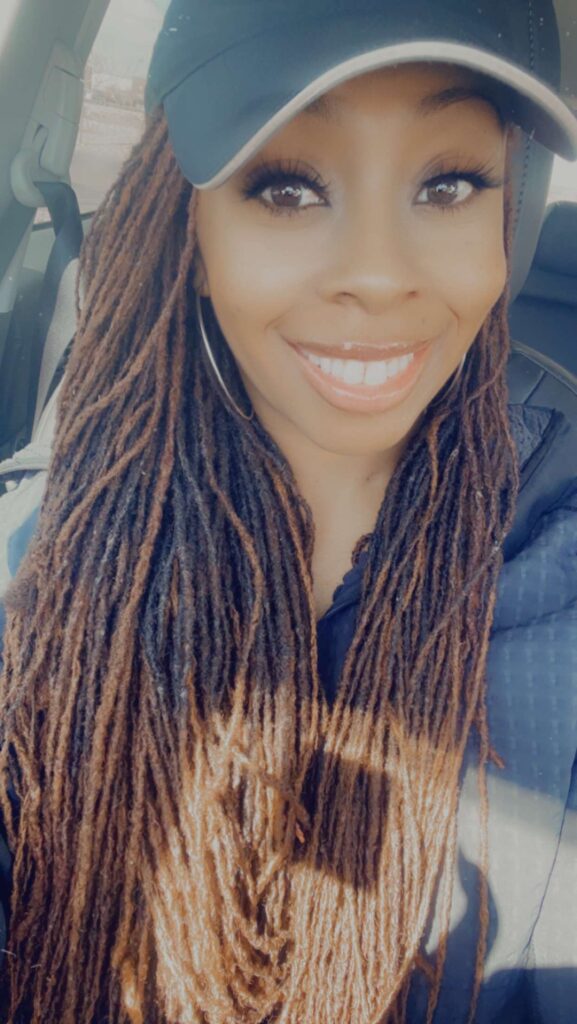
[364,397]
[363,352]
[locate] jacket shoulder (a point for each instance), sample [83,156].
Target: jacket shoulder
[547,449]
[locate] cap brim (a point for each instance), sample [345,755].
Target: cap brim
[222,114]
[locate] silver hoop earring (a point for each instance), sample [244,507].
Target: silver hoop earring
[214,365]
[459,371]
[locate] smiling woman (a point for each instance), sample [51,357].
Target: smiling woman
[373,251]
[382,232]
[265,673]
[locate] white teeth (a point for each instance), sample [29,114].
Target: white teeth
[355,371]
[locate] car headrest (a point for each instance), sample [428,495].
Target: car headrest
[532,167]
[557,248]
[532,164]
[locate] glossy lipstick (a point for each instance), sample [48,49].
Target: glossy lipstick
[364,397]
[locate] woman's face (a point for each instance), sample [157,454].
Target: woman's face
[373,218]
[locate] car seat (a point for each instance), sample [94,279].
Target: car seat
[544,315]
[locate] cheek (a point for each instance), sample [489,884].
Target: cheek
[467,262]
[252,279]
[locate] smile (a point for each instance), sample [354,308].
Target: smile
[363,385]
[356,371]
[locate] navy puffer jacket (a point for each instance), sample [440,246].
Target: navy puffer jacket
[531,965]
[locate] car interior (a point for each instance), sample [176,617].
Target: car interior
[44,49]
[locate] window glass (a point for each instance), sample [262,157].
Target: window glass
[112,118]
[564,177]
[7,15]
[563,181]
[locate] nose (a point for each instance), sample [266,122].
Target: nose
[375,260]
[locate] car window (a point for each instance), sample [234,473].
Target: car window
[8,11]
[563,181]
[564,175]
[112,118]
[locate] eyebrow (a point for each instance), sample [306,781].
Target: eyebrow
[328,108]
[455,94]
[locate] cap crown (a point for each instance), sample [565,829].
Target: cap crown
[196,31]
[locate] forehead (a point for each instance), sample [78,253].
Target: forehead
[426,88]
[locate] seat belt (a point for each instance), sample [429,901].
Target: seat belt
[56,307]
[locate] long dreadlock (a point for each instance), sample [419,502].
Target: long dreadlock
[200,836]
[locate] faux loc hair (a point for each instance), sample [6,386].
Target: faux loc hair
[200,837]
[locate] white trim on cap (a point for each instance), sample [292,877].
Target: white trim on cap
[401,53]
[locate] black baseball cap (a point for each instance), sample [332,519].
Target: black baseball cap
[230,73]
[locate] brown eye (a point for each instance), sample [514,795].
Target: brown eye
[286,196]
[445,192]
[280,186]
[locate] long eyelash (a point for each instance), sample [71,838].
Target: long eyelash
[455,167]
[481,177]
[480,181]
[281,172]
[267,174]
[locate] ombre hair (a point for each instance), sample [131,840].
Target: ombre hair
[201,838]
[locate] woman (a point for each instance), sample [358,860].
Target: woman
[230,801]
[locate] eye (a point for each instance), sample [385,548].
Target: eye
[281,187]
[288,195]
[454,189]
